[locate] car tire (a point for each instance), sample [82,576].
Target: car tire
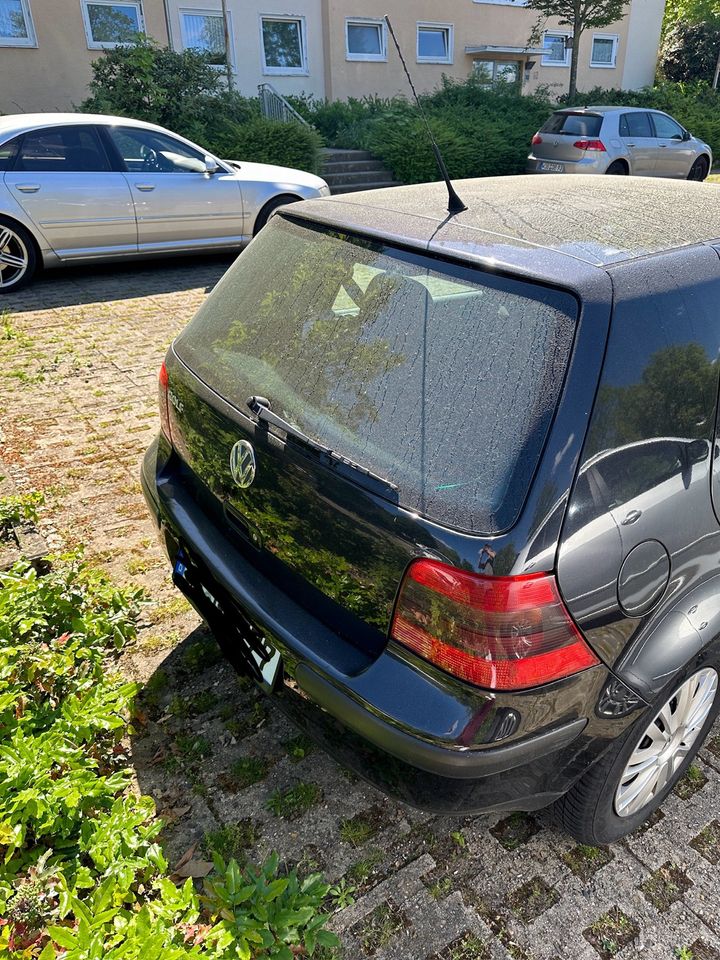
[699,170]
[617,169]
[270,207]
[589,811]
[17,243]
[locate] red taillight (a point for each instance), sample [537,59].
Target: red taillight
[590,145]
[164,402]
[502,633]
[536,140]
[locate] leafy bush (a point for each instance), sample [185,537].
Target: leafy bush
[19,508]
[81,871]
[689,52]
[267,141]
[184,92]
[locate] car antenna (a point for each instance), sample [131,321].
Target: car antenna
[455,204]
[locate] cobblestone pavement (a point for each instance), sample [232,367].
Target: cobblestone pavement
[79,357]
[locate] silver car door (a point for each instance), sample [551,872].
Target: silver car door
[675,155]
[637,136]
[63,180]
[177,202]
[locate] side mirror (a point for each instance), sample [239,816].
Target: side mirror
[686,135]
[211,165]
[698,450]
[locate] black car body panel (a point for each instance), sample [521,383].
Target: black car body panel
[311,557]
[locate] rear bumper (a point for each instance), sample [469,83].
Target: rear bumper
[414,732]
[596,163]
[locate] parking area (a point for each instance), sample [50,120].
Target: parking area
[79,352]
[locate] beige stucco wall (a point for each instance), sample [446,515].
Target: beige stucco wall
[54,75]
[246,41]
[644,26]
[494,24]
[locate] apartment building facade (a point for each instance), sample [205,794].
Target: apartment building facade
[47,46]
[324,48]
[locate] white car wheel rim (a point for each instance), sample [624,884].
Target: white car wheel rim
[14,257]
[666,743]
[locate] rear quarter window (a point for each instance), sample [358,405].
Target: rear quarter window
[437,377]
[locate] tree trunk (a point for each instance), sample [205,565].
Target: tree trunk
[575,56]
[717,73]
[226,32]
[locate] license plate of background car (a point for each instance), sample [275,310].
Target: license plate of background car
[552,167]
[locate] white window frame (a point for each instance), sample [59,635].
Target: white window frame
[616,42]
[366,22]
[302,71]
[204,12]
[31,39]
[97,44]
[504,3]
[448,28]
[544,62]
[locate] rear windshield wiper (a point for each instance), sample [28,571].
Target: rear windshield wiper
[260,406]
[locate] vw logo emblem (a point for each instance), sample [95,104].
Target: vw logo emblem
[242,464]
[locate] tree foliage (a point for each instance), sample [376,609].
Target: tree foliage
[690,51]
[578,15]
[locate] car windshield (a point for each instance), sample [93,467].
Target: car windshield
[574,124]
[439,378]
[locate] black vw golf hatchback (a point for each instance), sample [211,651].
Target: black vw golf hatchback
[448,487]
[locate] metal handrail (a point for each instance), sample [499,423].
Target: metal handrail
[274,106]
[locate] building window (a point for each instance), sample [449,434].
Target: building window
[109,24]
[283,45]
[365,40]
[604,51]
[434,43]
[204,30]
[557,50]
[16,26]
[497,71]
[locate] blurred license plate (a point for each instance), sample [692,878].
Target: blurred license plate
[552,167]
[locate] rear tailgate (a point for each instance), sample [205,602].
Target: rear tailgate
[562,131]
[441,379]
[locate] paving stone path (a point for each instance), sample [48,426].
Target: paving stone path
[79,355]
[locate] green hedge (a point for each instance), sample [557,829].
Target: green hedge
[267,141]
[184,93]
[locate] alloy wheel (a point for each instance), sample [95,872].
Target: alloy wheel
[666,743]
[14,257]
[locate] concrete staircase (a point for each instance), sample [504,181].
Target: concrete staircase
[347,171]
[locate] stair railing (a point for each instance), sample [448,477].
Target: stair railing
[274,106]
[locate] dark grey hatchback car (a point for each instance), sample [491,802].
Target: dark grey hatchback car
[447,486]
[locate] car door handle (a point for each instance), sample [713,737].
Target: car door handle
[663,146]
[27,187]
[630,144]
[145,187]
[632,517]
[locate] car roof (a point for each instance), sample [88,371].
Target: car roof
[14,124]
[607,109]
[595,219]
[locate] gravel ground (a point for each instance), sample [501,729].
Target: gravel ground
[79,356]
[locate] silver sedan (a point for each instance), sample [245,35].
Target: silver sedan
[618,140]
[77,187]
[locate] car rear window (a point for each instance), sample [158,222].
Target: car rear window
[574,124]
[440,378]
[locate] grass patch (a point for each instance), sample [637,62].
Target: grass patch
[295,801]
[611,932]
[466,947]
[707,842]
[360,828]
[666,886]
[532,899]
[245,772]
[693,781]
[299,747]
[362,870]
[232,840]
[585,861]
[515,831]
[381,926]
